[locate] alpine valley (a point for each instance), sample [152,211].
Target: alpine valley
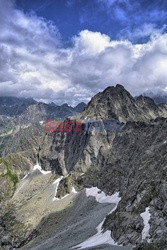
[84,189]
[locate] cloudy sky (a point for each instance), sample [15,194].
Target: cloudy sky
[68,50]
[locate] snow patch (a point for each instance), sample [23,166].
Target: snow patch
[164,142]
[37,166]
[73,190]
[100,238]
[146,217]
[101,197]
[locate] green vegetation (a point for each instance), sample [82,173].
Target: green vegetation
[5,162]
[13,177]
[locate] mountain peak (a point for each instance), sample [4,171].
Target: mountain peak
[80,107]
[116,103]
[119,87]
[117,92]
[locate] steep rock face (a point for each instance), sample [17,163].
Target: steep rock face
[63,152]
[80,150]
[117,103]
[131,161]
[140,174]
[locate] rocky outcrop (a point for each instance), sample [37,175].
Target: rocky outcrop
[118,104]
[131,161]
[80,150]
[63,152]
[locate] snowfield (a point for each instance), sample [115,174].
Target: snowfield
[100,237]
[101,197]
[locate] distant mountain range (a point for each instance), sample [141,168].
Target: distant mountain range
[160,97]
[13,106]
[24,117]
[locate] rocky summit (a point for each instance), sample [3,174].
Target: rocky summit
[117,103]
[85,189]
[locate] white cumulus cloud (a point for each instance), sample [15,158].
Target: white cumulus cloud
[34,62]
